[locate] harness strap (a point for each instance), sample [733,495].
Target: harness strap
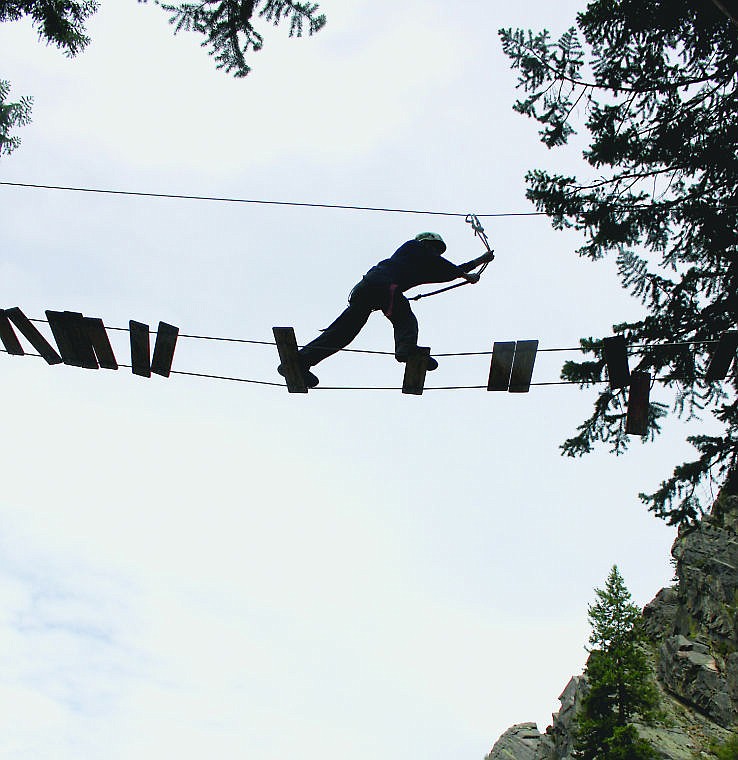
[391,305]
[441,290]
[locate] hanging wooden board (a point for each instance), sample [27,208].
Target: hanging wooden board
[166,341]
[72,340]
[289,359]
[522,369]
[636,421]
[723,357]
[8,337]
[140,348]
[98,337]
[416,366]
[616,359]
[500,367]
[32,335]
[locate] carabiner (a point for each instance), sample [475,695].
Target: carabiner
[476,225]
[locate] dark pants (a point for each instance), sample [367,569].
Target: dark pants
[366,297]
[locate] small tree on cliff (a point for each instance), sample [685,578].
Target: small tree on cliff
[619,679]
[654,85]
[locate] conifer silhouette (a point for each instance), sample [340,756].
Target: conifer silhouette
[619,684]
[653,84]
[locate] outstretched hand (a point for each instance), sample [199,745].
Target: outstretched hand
[472,277]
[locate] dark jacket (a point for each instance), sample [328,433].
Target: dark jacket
[413,264]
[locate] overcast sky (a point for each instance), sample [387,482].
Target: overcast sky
[199,568]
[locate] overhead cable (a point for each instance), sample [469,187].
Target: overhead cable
[299,204]
[219,199]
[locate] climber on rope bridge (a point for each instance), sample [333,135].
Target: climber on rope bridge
[416,262]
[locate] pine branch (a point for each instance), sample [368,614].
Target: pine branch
[227,26]
[527,54]
[12,115]
[58,23]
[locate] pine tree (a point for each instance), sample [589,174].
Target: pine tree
[654,84]
[619,679]
[227,26]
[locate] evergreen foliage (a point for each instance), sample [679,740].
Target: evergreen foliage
[654,85]
[226,25]
[58,22]
[228,30]
[12,115]
[619,679]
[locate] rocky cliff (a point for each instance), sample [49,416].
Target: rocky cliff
[693,631]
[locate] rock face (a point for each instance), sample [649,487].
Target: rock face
[688,670]
[693,628]
[520,742]
[707,569]
[559,737]
[696,622]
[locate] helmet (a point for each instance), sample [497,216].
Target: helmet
[431,237]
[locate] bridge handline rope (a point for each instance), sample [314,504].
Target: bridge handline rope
[229,378]
[705,342]
[247,341]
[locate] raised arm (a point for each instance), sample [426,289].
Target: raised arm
[474,263]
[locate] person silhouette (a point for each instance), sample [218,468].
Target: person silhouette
[418,261]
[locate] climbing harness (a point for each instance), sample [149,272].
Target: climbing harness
[479,232]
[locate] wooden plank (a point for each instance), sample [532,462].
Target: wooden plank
[8,336]
[166,341]
[72,339]
[98,337]
[415,368]
[500,367]
[723,357]
[33,336]
[616,359]
[289,359]
[140,348]
[522,369]
[58,326]
[636,422]
[81,343]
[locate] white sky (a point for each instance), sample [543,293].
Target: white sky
[193,568]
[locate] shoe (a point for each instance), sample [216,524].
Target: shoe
[310,379]
[432,363]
